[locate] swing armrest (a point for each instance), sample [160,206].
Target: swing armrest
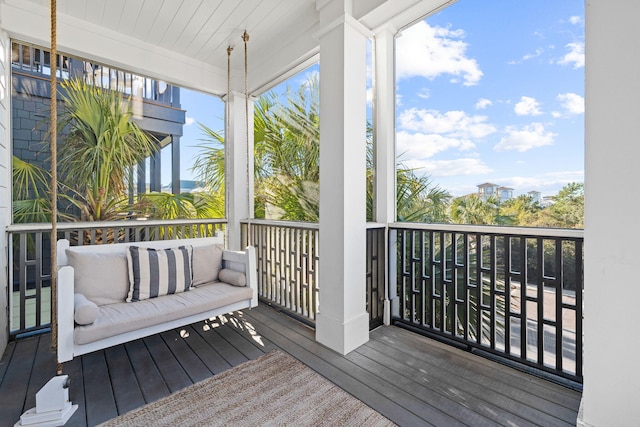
[65,313]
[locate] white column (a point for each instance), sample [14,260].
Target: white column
[5,179]
[385,141]
[385,129]
[612,286]
[239,166]
[342,323]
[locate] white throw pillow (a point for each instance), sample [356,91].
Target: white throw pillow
[85,312]
[102,277]
[207,262]
[232,277]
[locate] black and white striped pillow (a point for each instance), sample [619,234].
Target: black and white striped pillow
[156,272]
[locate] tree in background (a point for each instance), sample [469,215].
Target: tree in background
[99,151]
[521,210]
[567,210]
[472,209]
[287,163]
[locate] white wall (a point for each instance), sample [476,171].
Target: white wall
[612,233]
[5,192]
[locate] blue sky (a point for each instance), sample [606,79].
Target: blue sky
[493,91]
[487,91]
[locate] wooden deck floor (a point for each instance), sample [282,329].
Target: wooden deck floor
[412,380]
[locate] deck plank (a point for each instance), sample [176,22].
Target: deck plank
[230,333]
[150,380]
[44,368]
[126,389]
[209,354]
[389,400]
[173,374]
[227,355]
[247,329]
[14,385]
[6,358]
[100,403]
[494,372]
[454,401]
[190,362]
[489,378]
[410,379]
[73,368]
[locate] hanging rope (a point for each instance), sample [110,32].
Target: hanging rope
[226,121]
[245,39]
[53,59]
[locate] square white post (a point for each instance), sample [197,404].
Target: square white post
[384,125]
[611,285]
[342,323]
[238,166]
[385,145]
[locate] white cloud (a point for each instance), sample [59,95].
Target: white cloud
[527,107]
[572,103]
[421,146]
[525,138]
[575,55]
[575,20]
[428,52]
[455,167]
[546,182]
[189,121]
[528,56]
[452,123]
[424,93]
[483,103]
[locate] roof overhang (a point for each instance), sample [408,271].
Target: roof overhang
[185,41]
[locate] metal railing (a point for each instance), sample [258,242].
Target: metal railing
[515,293]
[30,260]
[511,292]
[35,60]
[376,273]
[288,259]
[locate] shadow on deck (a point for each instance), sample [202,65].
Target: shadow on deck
[409,378]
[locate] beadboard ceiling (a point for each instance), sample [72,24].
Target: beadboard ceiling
[196,33]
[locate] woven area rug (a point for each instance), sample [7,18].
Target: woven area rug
[272,390]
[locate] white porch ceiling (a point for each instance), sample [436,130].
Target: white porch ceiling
[185,41]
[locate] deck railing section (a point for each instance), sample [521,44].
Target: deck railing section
[30,261]
[288,259]
[512,292]
[376,273]
[287,262]
[35,61]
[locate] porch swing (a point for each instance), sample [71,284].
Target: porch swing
[53,407]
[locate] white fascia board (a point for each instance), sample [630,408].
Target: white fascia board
[400,13]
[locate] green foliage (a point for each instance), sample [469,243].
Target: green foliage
[521,210]
[209,164]
[100,150]
[30,193]
[186,205]
[287,163]
[417,199]
[472,209]
[567,211]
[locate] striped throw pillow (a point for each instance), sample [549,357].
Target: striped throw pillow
[157,272]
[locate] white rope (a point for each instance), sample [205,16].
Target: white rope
[245,39]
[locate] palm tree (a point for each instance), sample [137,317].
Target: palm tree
[103,145]
[287,169]
[471,209]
